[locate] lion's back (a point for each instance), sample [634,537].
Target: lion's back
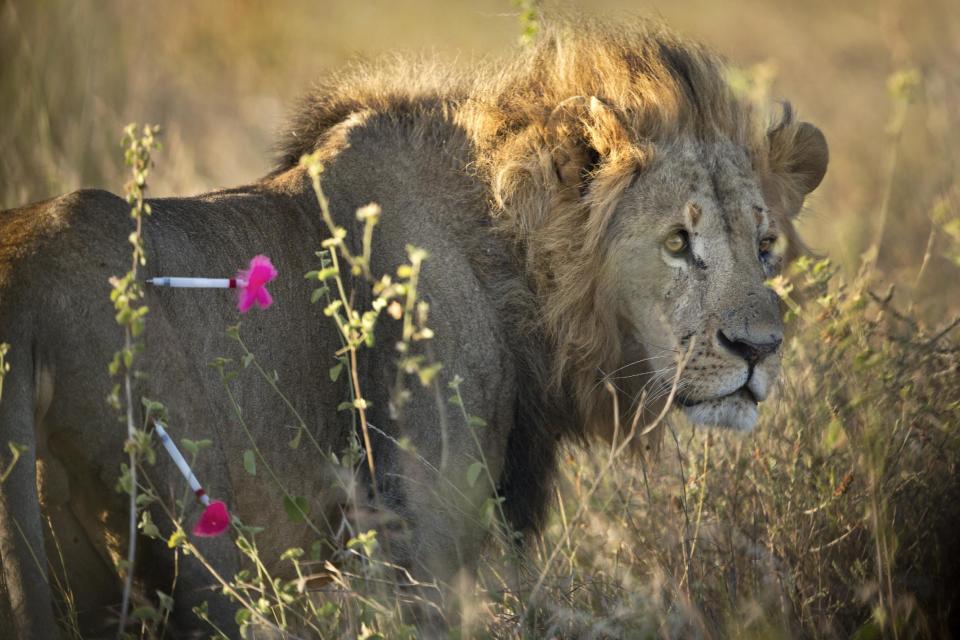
[46,257]
[27,229]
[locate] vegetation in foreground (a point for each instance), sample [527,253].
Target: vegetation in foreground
[834,519]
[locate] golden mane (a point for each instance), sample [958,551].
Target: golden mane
[655,84]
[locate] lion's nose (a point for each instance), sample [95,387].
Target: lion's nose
[752,352]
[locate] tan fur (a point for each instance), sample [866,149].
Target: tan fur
[694,212]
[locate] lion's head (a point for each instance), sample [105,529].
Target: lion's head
[651,211]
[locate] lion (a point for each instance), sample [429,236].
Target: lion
[601,215]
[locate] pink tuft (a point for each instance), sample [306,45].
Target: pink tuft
[253,285]
[213,521]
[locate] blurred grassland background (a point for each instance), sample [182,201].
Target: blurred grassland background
[839,516]
[220,76]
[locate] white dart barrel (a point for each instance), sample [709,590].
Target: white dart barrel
[196,283]
[180,462]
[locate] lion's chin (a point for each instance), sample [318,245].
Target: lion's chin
[737,410]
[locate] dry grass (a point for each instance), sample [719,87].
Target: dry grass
[834,518]
[837,518]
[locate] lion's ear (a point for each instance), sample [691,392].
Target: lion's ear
[581,132]
[798,161]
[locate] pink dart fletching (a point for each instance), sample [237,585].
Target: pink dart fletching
[213,521]
[254,291]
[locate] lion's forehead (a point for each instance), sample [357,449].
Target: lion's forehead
[720,181]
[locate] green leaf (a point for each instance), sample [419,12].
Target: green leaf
[331,308]
[146,525]
[250,462]
[473,473]
[291,554]
[329,272]
[219,363]
[295,441]
[870,630]
[249,529]
[166,602]
[343,406]
[242,617]
[193,446]
[476,421]
[318,293]
[491,507]
[366,541]
[202,609]
[296,507]
[145,613]
[247,359]
[335,371]
[190,446]
[427,374]
[151,406]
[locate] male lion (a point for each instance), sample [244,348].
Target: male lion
[599,210]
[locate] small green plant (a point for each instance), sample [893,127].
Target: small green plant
[529,18]
[364,597]
[356,328]
[130,314]
[946,216]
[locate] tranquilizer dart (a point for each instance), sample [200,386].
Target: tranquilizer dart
[250,282]
[215,518]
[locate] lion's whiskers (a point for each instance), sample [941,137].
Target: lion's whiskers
[663,385]
[662,349]
[607,377]
[644,373]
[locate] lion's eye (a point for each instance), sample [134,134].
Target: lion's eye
[677,242]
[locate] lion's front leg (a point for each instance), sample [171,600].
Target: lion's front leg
[435,502]
[430,529]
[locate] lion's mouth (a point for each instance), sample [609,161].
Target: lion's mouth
[743,393]
[736,410]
